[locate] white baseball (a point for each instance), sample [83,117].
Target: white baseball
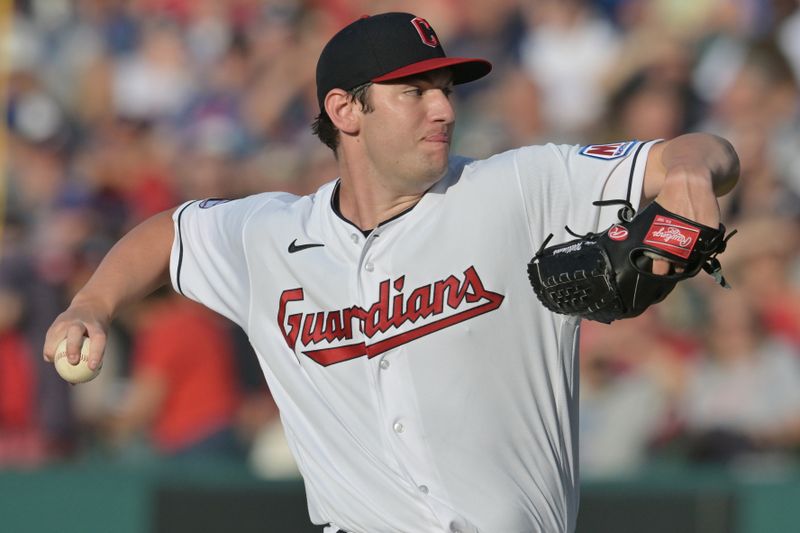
[79,373]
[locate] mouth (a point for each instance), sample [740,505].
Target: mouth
[439,137]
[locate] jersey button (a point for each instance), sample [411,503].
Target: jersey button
[354,237]
[423,489]
[369,267]
[398,427]
[384,364]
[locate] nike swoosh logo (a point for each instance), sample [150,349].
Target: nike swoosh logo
[294,247]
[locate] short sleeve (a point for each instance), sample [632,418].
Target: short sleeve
[209,260]
[560,183]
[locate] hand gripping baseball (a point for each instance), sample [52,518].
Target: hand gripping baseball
[608,276]
[79,321]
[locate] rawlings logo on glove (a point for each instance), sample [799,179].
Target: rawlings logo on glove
[609,276]
[671,236]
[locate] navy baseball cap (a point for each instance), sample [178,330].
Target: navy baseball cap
[387,47]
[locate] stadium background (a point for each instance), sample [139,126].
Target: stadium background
[118,109]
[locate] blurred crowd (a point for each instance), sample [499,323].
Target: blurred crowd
[119,109]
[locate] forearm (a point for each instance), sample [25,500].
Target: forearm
[702,162]
[137,265]
[134,267]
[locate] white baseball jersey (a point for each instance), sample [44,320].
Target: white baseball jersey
[422,386]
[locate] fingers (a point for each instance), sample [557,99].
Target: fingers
[75,334]
[55,334]
[97,347]
[74,330]
[662,266]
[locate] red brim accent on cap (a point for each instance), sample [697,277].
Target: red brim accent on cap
[464,69]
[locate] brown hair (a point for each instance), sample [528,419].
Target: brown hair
[323,126]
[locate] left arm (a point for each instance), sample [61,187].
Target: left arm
[685,175]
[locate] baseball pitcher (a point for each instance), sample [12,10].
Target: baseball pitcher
[423,385]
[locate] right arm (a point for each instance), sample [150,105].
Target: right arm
[136,266]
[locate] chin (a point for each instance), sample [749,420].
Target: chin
[434,173]
[439,162]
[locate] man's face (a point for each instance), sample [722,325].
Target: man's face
[407,135]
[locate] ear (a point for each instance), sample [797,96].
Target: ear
[343,111]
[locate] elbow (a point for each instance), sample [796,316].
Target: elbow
[726,171]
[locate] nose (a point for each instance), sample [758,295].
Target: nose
[441,108]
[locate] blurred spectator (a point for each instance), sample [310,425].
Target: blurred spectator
[567,52]
[36,280]
[126,174]
[789,39]
[653,49]
[213,122]
[512,115]
[491,30]
[278,103]
[648,107]
[630,372]
[758,110]
[760,261]
[21,440]
[153,82]
[743,394]
[183,390]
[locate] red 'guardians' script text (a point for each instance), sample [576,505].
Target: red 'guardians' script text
[388,313]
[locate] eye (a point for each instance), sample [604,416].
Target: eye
[414,91]
[447,91]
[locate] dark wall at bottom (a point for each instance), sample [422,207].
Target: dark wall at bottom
[97,497]
[231,510]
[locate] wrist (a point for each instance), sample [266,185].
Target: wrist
[101,308]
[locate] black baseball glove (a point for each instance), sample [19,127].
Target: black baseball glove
[608,276]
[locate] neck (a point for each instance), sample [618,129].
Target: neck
[368,206]
[366,199]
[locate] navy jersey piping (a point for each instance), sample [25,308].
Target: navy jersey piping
[180,249]
[633,169]
[365,232]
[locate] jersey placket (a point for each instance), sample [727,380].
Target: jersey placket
[394,391]
[367,279]
[408,441]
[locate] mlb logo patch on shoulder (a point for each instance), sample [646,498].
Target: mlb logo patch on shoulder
[607,151]
[211,202]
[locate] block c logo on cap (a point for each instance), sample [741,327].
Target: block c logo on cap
[425,31]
